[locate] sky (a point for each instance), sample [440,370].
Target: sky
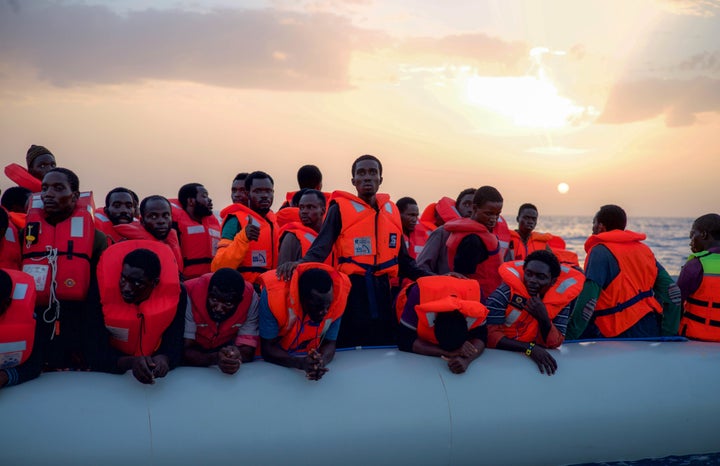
[618,100]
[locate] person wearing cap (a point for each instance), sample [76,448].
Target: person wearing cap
[39,161]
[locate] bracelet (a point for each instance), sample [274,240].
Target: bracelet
[529,349]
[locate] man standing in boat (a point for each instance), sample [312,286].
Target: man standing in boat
[627,293]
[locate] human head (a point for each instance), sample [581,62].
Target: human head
[487,206]
[541,270]
[155,216]
[261,191]
[225,292]
[120,205]
[311,208]
[367,176]
[39,161]
[315,287]
[6,286]
[609,217]
[409,213]
[140,275]
[238,193]
[464,202]
[527,219]
[15,199]
[450,330]
[309,176]
[705,232]
[195,200]
[59,192]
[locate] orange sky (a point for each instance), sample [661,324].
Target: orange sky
[618,99]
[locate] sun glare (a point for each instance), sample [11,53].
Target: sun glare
[563,188]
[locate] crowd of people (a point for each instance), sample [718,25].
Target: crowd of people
[149,284]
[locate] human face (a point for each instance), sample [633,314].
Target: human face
[120,209]
[135,286]
[527,220]
[157,218]
[311,210]
[697,239]
[409,218]
[596,226]
[58,198]
[487,214]
[537,278]
[367,179]
[222,305]
[316,305]
[465,205]
[261,195]
[203,203]
[238,194]
[42,165]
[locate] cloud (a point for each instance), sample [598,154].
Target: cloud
[71,45]
[704,8]
[705,62]
[678,100]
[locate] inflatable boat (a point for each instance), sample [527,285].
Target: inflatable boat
[609,400]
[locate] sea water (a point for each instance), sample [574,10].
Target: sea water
[667,237]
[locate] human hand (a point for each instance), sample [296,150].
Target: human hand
[314,365]
[285,271]
[536,308]
[162,365]
[142,369]
[545,362]
[457,364]
[252,231]
[229,359]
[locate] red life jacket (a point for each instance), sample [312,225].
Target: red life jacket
[442,293]
[137,231]
[209,334]
[137,329]
[23,178]
[296,332]
[519,324]
[10,253]
[701,316]
[18,219]
[369,242]
[415,242]
[17,324]
[629,297]
[58,257]
[198,241]
[502,231]
[486,273]
[261,255]
[103,223]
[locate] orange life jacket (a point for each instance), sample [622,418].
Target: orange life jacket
[18,219]
[209,334]
[289,195]
[415,242]
[136,230]
[287,215]
[296,332]
[10,254]
[137,329]
[444,209]
[369,242]
[629,297]
[261,255]
[701,316]
[198,241]
[305,235]
[536,242]
[58,257]
[502,231]
[17,324]
[442,293]
[519,324]
[486,273]
[23,178]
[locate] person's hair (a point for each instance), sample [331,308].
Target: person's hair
[366,157]
[296,197]
[309,176]
[527,205]
[464,193]
[240,176]
[613,217]
[5,285]
[228,280]
[72,178]
[259,176]
[188,191]
[709,223]
[146,260]
[450,330]
[404,202]
[15,196]
[486,194]
[121,189]
[4,220]
[546,257]
[314,279]
[154,197]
